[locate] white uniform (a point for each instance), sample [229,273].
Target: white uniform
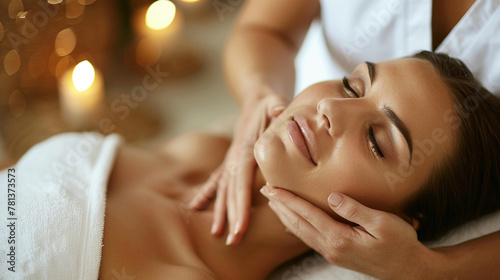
[351,32]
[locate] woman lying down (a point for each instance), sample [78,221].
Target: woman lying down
[90,207]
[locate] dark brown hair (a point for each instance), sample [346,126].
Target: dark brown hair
[466,184]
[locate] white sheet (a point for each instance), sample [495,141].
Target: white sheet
[312,267]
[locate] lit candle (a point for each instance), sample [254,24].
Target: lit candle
[81,95]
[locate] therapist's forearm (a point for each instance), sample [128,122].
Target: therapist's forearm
[474,259]
[259,55]
[256,57]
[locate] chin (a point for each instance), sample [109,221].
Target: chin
[270,155]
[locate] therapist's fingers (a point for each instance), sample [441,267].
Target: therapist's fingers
[298,226]
[219,211]
[240,186]
[207,191]
[232,208]
[307,211]
[242,195]
[355,212]
[243,181]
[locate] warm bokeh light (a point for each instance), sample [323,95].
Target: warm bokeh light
[160,14]
[74,9]
[17,103]
[1,31]
[54,2]
[12,62]
[52,62]
[65,42]
[15,6]
[62,65]
[86,2]
[83,75]
[148,51]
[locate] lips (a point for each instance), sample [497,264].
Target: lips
[301,135]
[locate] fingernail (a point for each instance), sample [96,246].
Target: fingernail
[229,239]
[334,199]
[279,108]
[273,195]
[263,191]
[268,192]
[271,192]
[237,228]
[214,229]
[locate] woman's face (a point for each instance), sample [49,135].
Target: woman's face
[375,138]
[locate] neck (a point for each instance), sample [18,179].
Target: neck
[265,241]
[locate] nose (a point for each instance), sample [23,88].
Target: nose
[337,114]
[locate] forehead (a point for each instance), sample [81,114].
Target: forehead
[418,95]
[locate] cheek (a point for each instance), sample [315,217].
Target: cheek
[268,152]
[365,182]
[348,172]
[279,166]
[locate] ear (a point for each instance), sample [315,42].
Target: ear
[414,222]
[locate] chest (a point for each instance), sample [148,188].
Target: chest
[146,221]
[145,231]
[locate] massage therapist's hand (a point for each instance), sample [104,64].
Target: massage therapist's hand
[383,245]
[233,180]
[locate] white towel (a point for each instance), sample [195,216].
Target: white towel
[60,198]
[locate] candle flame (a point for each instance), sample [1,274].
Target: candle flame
[160,14]
[83,75]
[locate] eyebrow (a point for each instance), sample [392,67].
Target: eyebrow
[371,71]
[395,120]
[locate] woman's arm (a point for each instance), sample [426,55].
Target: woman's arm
[383,245]
[259,55]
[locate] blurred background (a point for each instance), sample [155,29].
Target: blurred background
[148,70]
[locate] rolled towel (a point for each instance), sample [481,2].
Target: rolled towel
[56,220]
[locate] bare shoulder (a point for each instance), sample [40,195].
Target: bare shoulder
[199,150]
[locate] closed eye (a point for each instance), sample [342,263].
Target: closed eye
[373,143]
[348,89]
[371,135]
